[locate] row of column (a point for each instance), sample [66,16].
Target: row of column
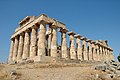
[88,50]
[26,45]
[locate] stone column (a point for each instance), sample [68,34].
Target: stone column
[89,50]
[79,49]
[93,51]
[72,46]
[33,41]
[100,53]
[64,44]
[106,55]
[49,41]
[84,49]
[103,55]
[15,49]
[11,51]
[97,52]
[54,41]
[26,48]
[20,47]
[42,39]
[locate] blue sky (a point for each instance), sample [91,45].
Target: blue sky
[95,19]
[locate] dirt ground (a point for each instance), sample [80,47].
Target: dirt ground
[50,71]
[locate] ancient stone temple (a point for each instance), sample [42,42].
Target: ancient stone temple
[36,39]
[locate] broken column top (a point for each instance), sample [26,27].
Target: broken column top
[71,33]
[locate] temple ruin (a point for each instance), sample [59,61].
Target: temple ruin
[36,39]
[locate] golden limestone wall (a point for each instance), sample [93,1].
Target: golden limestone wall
[32,39]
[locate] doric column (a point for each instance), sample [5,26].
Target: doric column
[42,40]
[72,46]
[49,41]
[15,49]
[103,55]
[89,49]
[64,44]
[26,48]
[20,47]
[100,53]
[84,49]
[54,41]
[93,51]
[97,52]
[33,41]
[11,51]
[79,49]
[106,54]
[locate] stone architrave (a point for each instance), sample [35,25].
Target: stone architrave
[84,49]
[79,49]
[20,47]
[89,50]
[64,44]
[11,51]
[15,49]
[26,48]
[72,46]
[42,39]
[33,41]
[54,41]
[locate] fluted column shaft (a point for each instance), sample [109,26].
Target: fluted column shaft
[54,42]
[100,53]
[26,49]
[42,39]
[64,46]
[90,51]
[33,42]
[97,53]
[84,50]
[49,42]
[93,52]
[11,51]
[15,49]
[72,48]
[79,49]
[20,48]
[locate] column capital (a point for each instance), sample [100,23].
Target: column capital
[63,30]
[83,38]
[71,33]
[78,36]
[89,40]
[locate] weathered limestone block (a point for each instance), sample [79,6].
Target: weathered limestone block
[94,51]
[84,49]
[11,51]
[26,47]
[54,41]
[64,44]
[15,49]
[20,47]
[33,42]
[72,46]
[79,49]
[41,41]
